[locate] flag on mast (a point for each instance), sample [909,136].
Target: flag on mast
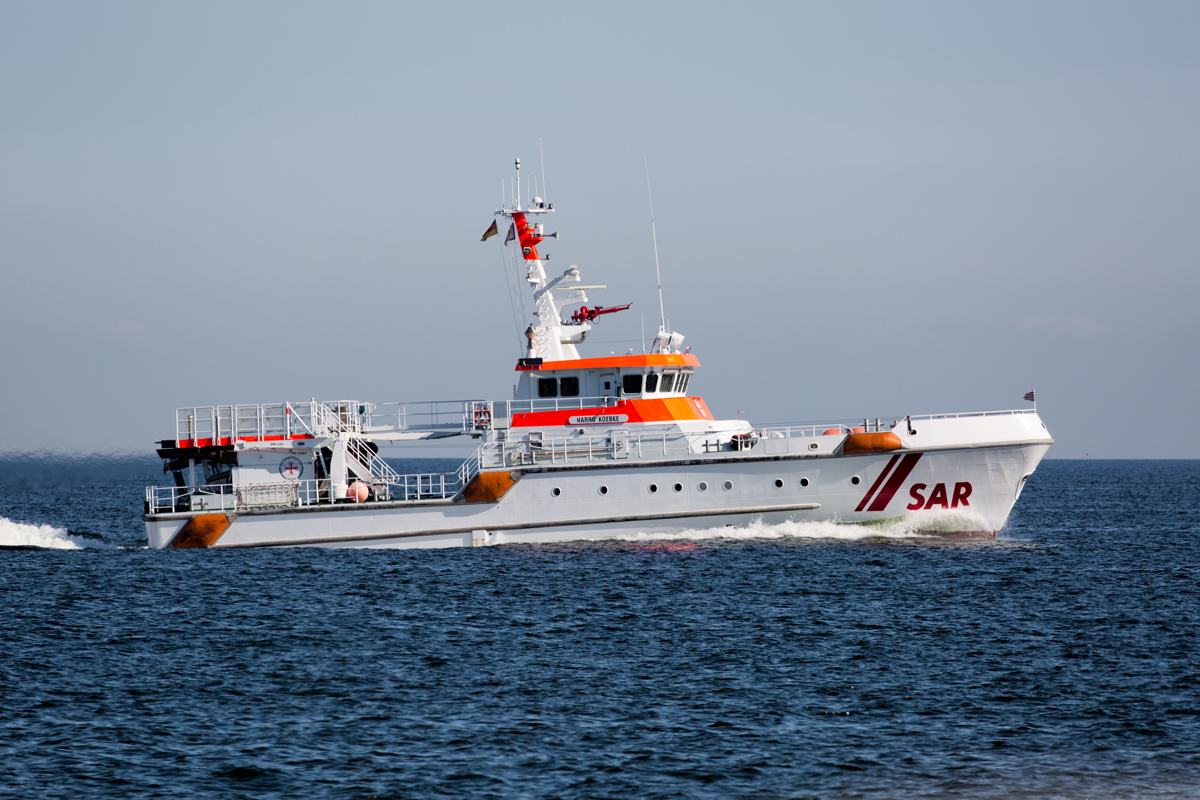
[1029,397]
[512,233]
[490,232]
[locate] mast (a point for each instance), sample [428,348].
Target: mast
[549,338]
[554,335]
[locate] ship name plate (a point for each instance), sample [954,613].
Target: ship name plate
[599,419]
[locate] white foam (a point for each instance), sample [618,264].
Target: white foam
[922,526]
[19,534]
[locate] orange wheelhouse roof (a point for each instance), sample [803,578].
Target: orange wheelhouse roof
[612,362]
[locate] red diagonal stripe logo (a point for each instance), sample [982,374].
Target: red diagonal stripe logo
[889,489]
[871,492]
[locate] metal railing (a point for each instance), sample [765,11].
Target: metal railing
[791,430]
[506,408]
[819,429]
[435,415]
[282,420]
[294,494]
[313,418]
[534,449]
[379,471]
[1009,413]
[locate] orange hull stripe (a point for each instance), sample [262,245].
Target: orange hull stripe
[669,409]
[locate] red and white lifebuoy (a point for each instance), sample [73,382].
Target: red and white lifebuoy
[483,416]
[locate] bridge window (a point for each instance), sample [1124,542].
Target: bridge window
[547,387]
[569,387]
[632,384]
[668,381]
[684,379]
[216,473]
[651,382]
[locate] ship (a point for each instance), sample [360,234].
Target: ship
[589,447]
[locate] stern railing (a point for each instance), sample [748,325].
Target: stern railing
[296,494]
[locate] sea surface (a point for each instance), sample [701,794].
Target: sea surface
[1059,660]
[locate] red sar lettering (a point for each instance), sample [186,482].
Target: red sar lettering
[962,490]
[938,496]
[918,498]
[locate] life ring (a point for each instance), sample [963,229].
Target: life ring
[483,416]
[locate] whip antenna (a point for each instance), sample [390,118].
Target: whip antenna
[662,315]
[545,194]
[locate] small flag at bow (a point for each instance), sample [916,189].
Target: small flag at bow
[490,232]
[512,234]
[1029,397]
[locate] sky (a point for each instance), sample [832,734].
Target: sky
[862,209]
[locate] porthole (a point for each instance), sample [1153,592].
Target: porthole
[778,483]
[653,488]
[702,486]
[804,481]
[813,446]
[679,487]
[556,491]
[603,490]
[856,480]
[728,484]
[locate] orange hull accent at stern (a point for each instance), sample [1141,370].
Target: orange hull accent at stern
[488,487]
[201,531]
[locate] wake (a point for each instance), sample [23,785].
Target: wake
[20,534]
[955,524]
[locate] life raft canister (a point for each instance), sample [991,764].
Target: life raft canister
[881,442]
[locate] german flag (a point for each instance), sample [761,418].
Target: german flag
[490,232]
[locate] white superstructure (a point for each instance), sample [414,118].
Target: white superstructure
[588,447]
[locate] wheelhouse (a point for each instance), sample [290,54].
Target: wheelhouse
[646,376]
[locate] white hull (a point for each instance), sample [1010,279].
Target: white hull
[981,483]
[588,448]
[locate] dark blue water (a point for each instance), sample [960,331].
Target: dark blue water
[1060,660]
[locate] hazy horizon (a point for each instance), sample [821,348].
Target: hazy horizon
[862,211]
